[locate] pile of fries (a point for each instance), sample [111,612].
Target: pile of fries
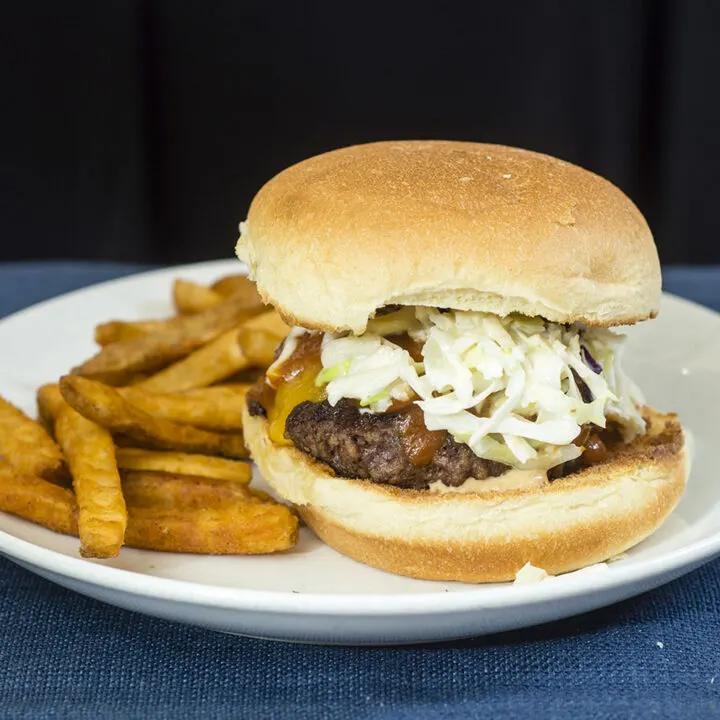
[142,444]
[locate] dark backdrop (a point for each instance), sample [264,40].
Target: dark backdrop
[141,130]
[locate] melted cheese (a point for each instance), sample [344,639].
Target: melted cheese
[289,395]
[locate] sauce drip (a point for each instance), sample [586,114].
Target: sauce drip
[306,352]
[400,405]
[419,443]
[595,450]
[292,383]
[404,341]
[593,441]
[261,393]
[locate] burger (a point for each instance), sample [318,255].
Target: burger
[450,403]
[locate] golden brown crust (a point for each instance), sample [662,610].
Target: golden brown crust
[496,560]
[488,536]
[448,224]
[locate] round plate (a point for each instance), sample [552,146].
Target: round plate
[312,593]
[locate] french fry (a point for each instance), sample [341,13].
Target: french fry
[90,453]
[175,463]
[175,493]
[237,285]
[220,359]
[212,363]
[260,336]
[135,379]
[50,403]
[106,406]
[239,529]
[218,408]
[258,346]
[270,322]
[26,445]
[179,337]
[217,393]
[117,330]
[190,297]
[168,491]
[37,500]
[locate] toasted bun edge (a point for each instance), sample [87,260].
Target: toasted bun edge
[572,522]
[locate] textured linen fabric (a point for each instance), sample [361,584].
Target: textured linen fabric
[65,656]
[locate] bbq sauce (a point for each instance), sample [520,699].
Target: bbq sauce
[305,354]
[261,393]
[404,341]
[289,384]
[595,451]
[594,442]
[419,443]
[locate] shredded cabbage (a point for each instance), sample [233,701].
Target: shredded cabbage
[507,387]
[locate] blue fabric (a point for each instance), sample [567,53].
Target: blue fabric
[701,285]
[66,656]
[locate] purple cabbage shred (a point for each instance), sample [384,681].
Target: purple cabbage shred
[590,361]
[585,391]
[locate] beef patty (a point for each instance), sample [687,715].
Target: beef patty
[370,446]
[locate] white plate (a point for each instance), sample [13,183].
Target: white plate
[314,594]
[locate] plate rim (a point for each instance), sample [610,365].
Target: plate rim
[485,597]
[130,582]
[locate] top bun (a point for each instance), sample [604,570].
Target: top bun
[455,225]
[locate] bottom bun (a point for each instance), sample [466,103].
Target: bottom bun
[485,536]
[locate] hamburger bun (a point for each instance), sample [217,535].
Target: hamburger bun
[458,225]
[485,536]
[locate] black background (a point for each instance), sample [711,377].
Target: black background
[140,130]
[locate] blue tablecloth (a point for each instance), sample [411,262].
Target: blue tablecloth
[65,656]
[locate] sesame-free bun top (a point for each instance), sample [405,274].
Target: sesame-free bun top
[459,225]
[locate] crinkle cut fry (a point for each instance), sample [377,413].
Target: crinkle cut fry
[250,529]
[90,453]
[179,337]
[105,406]
[220,409]
[37,500]
[177,463]
[28,446]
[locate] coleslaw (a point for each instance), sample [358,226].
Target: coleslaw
[515,389]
